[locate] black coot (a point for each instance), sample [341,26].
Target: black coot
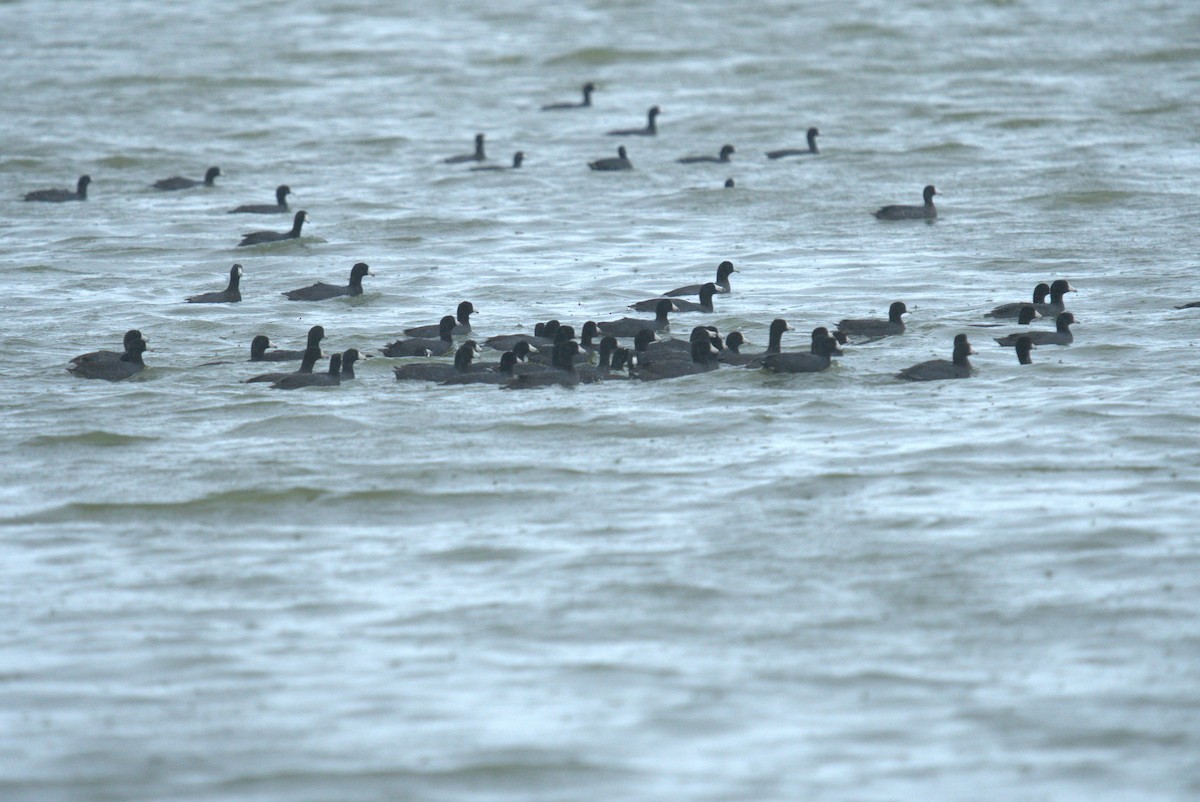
[230,295]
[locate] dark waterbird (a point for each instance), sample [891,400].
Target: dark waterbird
[260,344]
[518,160]
[651,128]
[774,346]
[630,326]
[61,195]
[1057,303]
[724,271]
[328,379]
[322,291]
[621,162]
[126,365]
[440,371]
[424,346]
[1024,345]
[812,135]
[874,328]
[588,88]
[261,237]
[706,293]
[230,295]
[818,358]
[477,156]
[704,358]
[1014,309]
[131,337]
[1060,336]
[723,157]
[958,367]
[562,372]
[307,363]
[179,182]
[462,327]
[899,212]
[280,204]
[502,373]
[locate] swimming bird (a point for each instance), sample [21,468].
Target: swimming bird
[463,326]
[322,291]
[543,334]
[926,212]
[588,88]
[824,346]
[179,182]
[131,337]
[502,374]
[959,367]
[729,184]
[733,355]
[349,357]
[1024,345]
[518,159]
[260,237]
[128,364]
[774,346]
[307,363]
[1014,309]
[280,205]
[726,152]
[1057,303]
[439,371]
[874,328]
[630,326]
[704,358]
[1191,305]
[563,372]
[1060,336]
[61,195]
[297,380]
[423,346]
[621,162]
[230,295]
[1026,316]
[706,293]
[477,156]
[260,344]
[724,271]
[812,135]
[651,128]
[589,374]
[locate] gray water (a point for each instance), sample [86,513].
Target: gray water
[735,586]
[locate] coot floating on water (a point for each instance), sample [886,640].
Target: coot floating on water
[588,88]
[812,135]
[322,291]
[651,128]
[261,237]
[621,162]
[723,157]
[61,195]
[959,367]
[477,156]
[926,212]
[280,205]
[179,182]
[230,295]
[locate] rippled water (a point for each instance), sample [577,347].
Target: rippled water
[732,586]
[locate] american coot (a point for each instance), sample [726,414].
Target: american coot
[676,350]
[423,346]
[260,237]
[724,271]
[812,135]
[349,357]
[706,293]
[463,327]
[630,326]
[518,160]
[477,156]
[588,88]
[440,371]
[733,349]
[112,370]
[309,361]
[729,184]
[1014,309]
[651,128]
[131,336]
[1024,345]
[1192,305]
[704,358]
[261,344]
[179,182]
[322,291]
[873,328]
[726,152]
[280,205]
[507,342]
[328,379]
[1025,316]
[926,212]
[589,374]
[621,162]
[824,346]
[500,374]
[563,372]
[1058,289]
[230,295]
[959,367]
[774,346]
[61,195]
[1060,336]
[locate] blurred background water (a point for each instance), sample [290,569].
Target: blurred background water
[732,586]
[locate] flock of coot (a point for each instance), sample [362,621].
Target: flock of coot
[554,353]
